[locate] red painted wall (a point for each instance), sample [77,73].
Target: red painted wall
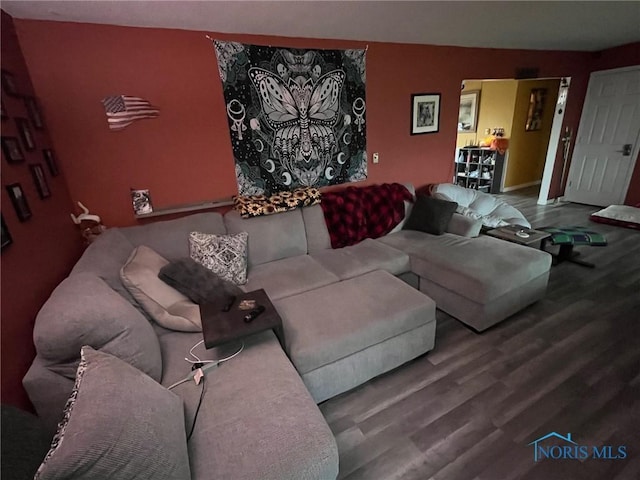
[44,248]
[184,156]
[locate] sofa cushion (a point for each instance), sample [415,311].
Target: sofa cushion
[289,276]
[318,238]
[330,323]
[464,226]
[364,257]
[272,237]
[224,255]
[481,268]
[170,238]
[118,424]
[257,419]
[430,215]
[83,310]
[105,257]
[165,304]
[197,282]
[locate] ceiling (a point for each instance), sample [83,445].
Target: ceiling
[583,26]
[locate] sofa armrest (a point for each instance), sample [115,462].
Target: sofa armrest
[464,226]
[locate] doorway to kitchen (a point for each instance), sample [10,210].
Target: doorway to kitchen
[520,119]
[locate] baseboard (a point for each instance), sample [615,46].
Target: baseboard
[522,185]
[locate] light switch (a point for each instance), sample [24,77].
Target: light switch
[376,157]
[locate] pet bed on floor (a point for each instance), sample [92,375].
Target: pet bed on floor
[619,215]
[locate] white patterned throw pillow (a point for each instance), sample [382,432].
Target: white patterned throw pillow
[225,255]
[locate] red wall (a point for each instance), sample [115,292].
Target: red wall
[44,247]
[184,156]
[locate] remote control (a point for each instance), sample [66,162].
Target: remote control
[251,316]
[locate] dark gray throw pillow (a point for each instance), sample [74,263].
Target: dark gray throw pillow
[430,215]
[197,282]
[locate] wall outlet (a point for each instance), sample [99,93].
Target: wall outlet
[376,157]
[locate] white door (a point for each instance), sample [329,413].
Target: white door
[607,143]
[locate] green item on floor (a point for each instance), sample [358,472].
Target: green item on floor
[575,236]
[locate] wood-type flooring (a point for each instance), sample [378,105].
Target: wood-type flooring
[468,409]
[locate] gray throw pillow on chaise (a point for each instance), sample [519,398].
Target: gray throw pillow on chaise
[197,282]
[430,215]
[118,424]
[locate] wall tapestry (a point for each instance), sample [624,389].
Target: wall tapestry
[296,117]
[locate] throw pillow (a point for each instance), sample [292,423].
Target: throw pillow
[167,306]
[197,282]
[118,424]
[430,215]
[224,255]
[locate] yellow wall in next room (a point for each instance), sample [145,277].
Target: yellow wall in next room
[528,150]
[496,106]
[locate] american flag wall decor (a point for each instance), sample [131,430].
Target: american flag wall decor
[123,110]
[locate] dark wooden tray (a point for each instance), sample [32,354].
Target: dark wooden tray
[220,327]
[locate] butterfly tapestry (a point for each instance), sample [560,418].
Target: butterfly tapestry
[296,117]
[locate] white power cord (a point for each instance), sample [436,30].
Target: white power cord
[207,364]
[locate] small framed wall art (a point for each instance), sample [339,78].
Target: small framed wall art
[35,115]
[6,239]
[26,134]
[19,201]
[141,200]
[425,113]
[11,149]
[50,160]
[468,113]
[536,109]
[37,172]
[9,84]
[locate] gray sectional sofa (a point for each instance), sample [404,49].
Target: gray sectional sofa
[348,315]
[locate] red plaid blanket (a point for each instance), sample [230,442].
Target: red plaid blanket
[356,213]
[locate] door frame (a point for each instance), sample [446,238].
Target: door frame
[554,143]
[636,147]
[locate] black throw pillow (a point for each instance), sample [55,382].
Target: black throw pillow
[430,215]
[197,282]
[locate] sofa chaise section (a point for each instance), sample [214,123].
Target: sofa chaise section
[257,419]
[480,281]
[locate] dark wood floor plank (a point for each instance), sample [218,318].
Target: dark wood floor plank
[468,410]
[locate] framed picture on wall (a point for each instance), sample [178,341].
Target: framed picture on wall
[26,134]
[9,84]
[37,172]
[50,160]
[34,112]
[468,113]
[6,236]
[11,149]
[19,201]
[425,113]
[536,109]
